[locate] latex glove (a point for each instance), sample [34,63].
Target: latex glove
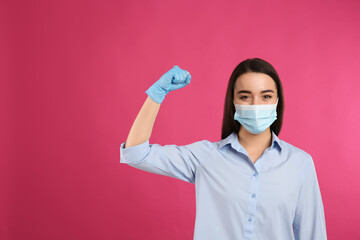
[174,79]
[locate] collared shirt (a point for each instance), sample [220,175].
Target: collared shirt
[277,198]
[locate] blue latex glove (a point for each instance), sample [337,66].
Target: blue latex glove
[174,79]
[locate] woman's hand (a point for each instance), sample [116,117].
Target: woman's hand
[174,79]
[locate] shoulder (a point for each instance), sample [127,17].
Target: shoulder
[201,145]
[298,159]
[295,152]
[202,148]
[198,145]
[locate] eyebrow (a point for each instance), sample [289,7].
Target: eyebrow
[246,91]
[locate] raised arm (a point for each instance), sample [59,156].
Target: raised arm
[142,127]
[170,160]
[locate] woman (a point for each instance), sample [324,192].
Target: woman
[250,184]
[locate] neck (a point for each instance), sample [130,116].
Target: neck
[255,141]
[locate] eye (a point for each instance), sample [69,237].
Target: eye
[244,97]
[268,96]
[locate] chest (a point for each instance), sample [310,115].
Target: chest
[255,155]
[236,184]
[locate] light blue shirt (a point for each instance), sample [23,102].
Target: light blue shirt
[277,198]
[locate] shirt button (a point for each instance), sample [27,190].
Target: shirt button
[250,219]
[253,195]
[255,174]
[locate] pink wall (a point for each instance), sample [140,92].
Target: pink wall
[74,76]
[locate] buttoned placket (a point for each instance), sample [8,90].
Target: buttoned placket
[253,199]
[254,188]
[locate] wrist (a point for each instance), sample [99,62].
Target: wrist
[156,93]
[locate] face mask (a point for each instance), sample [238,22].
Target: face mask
[256,118]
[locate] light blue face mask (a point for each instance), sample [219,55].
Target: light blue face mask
[256,118]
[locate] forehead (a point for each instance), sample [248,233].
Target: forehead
[254,82]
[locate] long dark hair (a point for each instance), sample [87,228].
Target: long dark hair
[256,65]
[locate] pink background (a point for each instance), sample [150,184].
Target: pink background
[74,76]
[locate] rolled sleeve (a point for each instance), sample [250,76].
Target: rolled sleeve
[309,221]
[174,161]
[134,154]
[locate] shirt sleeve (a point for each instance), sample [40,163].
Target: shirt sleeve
[179,162]
[309,221]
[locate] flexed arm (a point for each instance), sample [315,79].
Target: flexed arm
[174,161]
[142,127]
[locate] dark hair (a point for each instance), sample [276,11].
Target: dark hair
[256,65]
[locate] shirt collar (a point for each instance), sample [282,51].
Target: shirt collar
[232,139]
